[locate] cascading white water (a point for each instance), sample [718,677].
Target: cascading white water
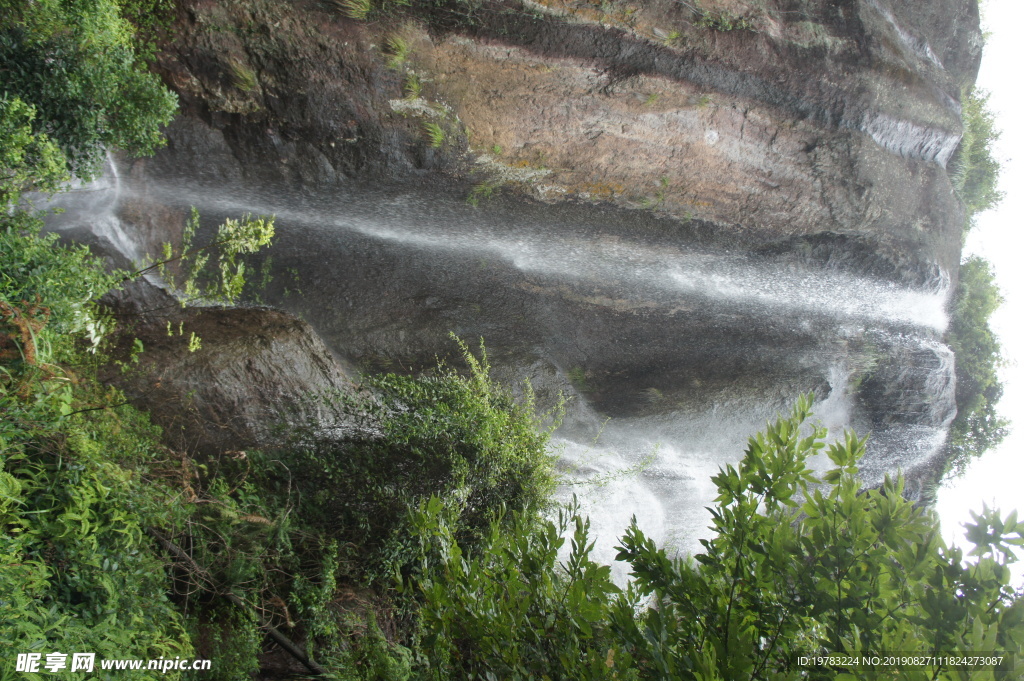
[628,267]
[659,469]
[94,206]
[401,269]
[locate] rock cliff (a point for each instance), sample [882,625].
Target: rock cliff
[827,122]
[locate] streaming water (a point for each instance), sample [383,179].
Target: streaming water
[688,347]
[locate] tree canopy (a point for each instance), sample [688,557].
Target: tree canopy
[73,86]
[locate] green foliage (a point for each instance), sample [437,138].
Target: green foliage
[214,272]
[27,161]
[465,439]
[578,377]
[795,568]
[77,572]
[150,19]
[482,191]
[799,569]
[373,658]
[245,78]
[397,49]
[83,475]
[975,172]
[354,9]
[435,134]
[412,86]
[230,639]
[977,427]
[75,64]
[67,280]
[723,20]
[510,609]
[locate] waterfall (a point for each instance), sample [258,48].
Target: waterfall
[93,206]
[688,347]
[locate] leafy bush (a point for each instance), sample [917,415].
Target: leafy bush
[977,427]
[75,64]
[34,270]
[509,609]
[27,161]
[465,439]
[83,476]
[796,568]
[799,569]
[229,638]
[77,572]
[975,172]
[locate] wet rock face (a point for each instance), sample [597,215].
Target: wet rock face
[794,119]
[258,370]
[899,374]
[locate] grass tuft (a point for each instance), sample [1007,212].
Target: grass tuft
[397,50]
[353,9]
[435,133]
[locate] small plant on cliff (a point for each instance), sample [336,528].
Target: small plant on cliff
[245,78]
[435,134]
[397,51]
[413,85]
[214,272]
[482,191]
[722,21]
[353,9]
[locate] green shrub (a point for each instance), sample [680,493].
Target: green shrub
[27,161]
[977,428]
[78,573]
[35,270]
[795,568]
[229,638]
[974,170]
[75,64]
[509,609]
[465,439]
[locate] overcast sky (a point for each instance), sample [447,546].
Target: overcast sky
[998,477]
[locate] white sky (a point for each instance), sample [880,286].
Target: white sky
[998,477]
